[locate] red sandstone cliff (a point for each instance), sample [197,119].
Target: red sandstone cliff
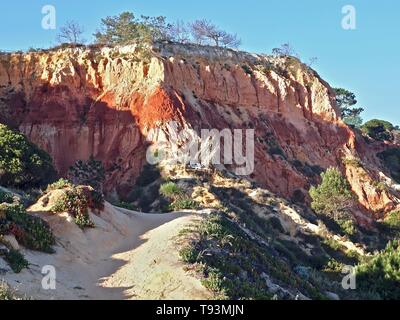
[81,102]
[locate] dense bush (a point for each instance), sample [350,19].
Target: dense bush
[6,197]
[126,28]
[23,164]
[88,173]
[333,196]
[380,275]
[378,129]
[30,231]
[77,201]
[16,260]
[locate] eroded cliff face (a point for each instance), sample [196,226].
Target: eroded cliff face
[102,102]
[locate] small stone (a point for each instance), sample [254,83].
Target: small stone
[332,296]
[10,239]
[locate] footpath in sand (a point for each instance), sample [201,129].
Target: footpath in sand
[129,255]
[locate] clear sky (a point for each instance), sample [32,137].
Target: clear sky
[365,61]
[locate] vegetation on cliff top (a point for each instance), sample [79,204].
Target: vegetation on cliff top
[126,28]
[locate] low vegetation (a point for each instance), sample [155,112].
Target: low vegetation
[29,231]
[177,196]
[15,260]
[378,277]
[393,220]
[59,184]
[6,293]
[77,201]
[235,266]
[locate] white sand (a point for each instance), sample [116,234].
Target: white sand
[129,255]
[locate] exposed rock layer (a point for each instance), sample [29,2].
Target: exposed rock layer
[81,102]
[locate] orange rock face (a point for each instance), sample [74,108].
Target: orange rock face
[81,102]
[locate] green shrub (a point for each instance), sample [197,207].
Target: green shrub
[184,204]
[378,129]
[77,201]
[333,197]
[88,173]
[379,185]
[23,164]
[180,200]
[393,220]
[247,70]
[188,254]
[233,265]
[347,226]
[126,29]
[381,274]
[30,231]
[16,260]
[334,266]
[6,197]
[353,162]
[214,282]
[59,184]
[171,190]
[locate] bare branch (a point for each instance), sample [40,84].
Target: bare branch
[71,32]
[205,32]
[179,32]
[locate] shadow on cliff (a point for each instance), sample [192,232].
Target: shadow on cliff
[75,123]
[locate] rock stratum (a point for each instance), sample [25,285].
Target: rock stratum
[79,102]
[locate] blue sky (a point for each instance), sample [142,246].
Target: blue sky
[365,61]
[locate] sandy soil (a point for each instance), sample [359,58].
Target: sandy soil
[129,255]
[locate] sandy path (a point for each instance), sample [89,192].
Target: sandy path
[128,255]
[153,270]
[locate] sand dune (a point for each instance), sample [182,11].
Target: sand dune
[129,255]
